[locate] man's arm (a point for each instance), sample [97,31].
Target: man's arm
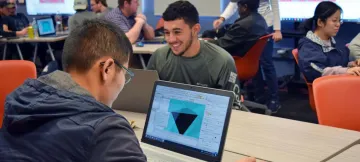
[355,47]
[148,32]
[134,33]
[116,141]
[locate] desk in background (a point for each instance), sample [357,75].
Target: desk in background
[277,139]
[37,40]
[147,49]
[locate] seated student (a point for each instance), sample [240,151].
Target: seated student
[245,31]
[188,60]
[132,23]
[3,13]
[355,47]
[100,7]
[14,22]
[80,6]
[66,116]
[318,54]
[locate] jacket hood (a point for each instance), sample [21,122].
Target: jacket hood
[48,98]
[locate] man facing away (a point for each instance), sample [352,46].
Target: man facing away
[66,116]
[132,23]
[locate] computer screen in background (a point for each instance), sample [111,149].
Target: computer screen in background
[300,10]
[46,26]
[48,7]
[190,119]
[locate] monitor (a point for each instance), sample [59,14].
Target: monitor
[46,26]
[189,120]
[49,7]
[300,10]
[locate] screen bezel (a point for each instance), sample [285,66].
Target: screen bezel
[38,28]
[185,151]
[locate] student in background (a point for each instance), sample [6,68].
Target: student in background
[269,9]
[132,23]
[3,13]
[355,47]
[14,22]
[100,7]
[80,6]
[188,60]
[66,116]
[318,53]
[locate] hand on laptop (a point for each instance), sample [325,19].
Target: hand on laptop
[248,159]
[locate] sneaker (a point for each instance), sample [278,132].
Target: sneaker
[274,106]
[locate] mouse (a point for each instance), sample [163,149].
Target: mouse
[139,44]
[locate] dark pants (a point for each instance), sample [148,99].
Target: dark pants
[27,50]
[267,66]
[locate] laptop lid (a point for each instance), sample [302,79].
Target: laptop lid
[46,26]
[136,95]
[188,119]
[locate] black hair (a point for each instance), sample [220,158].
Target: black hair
[323,11]
[92,40]
[252,5]
[121,3]
[182,10]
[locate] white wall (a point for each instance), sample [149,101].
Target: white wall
[204,7]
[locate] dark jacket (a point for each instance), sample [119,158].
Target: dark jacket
[54,119]
[243,34]
[4,33]
[317,59]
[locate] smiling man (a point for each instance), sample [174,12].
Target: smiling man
[188,60]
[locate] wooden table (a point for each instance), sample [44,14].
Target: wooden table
[350,155]
[147,49]
[37,40]
[276,139]
[227,156]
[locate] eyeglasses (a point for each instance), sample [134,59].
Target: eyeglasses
[128,75]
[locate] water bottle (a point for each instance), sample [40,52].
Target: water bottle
[35,28]
[59,27]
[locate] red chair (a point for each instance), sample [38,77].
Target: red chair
[13,73]
[336,101]
[160,23]
[248,65]
[295,53]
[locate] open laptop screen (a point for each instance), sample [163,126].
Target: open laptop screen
[189,120]
[46,26]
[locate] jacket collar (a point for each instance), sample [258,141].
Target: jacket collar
[310,35]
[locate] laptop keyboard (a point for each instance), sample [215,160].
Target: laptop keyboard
[154,156]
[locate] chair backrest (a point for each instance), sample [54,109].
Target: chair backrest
[13,73]
[336,101]
[160,23]
[295,53]
[248,65]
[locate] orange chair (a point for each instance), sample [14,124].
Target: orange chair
[295,53]
[160,23]
[248,65]
[336,101]
[13,73]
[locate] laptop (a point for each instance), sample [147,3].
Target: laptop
[186,123]
[136,95]
[46,27]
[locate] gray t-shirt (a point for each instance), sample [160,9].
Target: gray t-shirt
[212,67]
